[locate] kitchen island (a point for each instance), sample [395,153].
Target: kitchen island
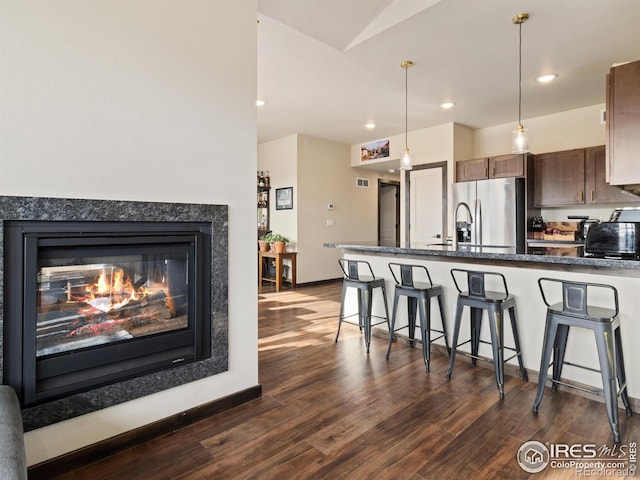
[521,268]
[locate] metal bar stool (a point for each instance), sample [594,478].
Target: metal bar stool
[419,296]
[365,285]
[575,311]
[478,299]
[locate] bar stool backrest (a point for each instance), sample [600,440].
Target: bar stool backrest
[476,282]
[406,274]
[574,295]
[574,298]
[351,268]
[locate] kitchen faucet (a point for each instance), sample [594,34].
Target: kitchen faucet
[455,221]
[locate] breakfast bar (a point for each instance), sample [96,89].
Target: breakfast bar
[522,267]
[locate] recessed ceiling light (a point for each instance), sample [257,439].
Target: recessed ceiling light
[260,103]
[447,105]
[391,170]
[370,125]
[546,78]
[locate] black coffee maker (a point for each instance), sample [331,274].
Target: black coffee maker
[583,227]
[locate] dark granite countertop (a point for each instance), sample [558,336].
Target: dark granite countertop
[546,256]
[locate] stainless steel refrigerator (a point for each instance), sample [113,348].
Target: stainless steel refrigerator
[490,212]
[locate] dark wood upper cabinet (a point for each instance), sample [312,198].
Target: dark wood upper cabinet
[559,178]
[623,124]
[596,187]
[575,177]
[475,169]
[506,166]
[501,166]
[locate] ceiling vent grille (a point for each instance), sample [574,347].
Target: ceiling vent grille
[362,182]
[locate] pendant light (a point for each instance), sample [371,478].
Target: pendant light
[405,159]
[519,140]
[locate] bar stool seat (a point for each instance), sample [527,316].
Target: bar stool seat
[575,311]
[418,294]
[365,285]
[478,299]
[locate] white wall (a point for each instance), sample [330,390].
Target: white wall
[320,172]
[462,143]
[137,100]
[427,145]
[280,159]
[577,128]
[560,131]
[324,176]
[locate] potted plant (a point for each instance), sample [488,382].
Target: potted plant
[263,244]
[277,241]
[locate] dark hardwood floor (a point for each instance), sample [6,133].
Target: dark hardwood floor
[331,411]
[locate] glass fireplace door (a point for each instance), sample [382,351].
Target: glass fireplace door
[83,302]
[93,304]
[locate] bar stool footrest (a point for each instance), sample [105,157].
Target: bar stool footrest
[439,336]
[475,357]
[513,349]
[485,359]
[344,320]
[419,340]
[581,366]
[593,391]
[515,355]
[378,323]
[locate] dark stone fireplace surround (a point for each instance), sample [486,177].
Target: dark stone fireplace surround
[59,209]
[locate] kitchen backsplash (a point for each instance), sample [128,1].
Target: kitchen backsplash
[600,212]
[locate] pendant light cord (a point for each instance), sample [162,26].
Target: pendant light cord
[406,105]
[520,75]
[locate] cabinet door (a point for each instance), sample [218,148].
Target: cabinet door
[559,178]
[506,166]
[623,122]
[476,169]
[598,190]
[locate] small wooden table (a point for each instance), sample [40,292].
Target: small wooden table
[278,260]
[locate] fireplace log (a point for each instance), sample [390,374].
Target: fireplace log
[82,320]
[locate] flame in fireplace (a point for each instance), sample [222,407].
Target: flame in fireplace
[113,289]
[101,285]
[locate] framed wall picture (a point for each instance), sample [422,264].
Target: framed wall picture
[377,150]
[284,198]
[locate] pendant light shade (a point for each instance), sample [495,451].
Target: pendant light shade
[405,159]
[519,140]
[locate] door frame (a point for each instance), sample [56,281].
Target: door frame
[445,198]
[382,182]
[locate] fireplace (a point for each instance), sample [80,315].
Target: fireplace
[90,304]
[103,302]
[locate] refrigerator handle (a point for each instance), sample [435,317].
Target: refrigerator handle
[478,218]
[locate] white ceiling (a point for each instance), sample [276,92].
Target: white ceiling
[327,67]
